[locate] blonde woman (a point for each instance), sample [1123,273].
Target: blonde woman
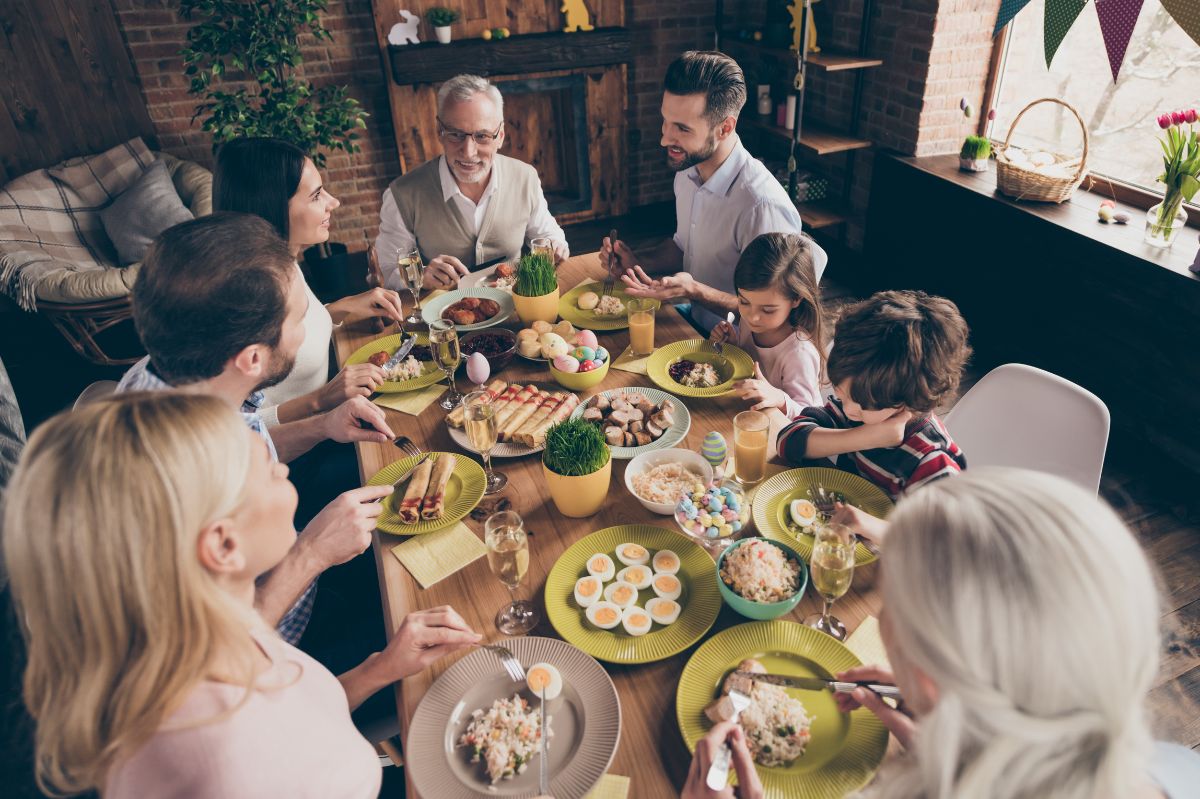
[1022,621]
[134,530]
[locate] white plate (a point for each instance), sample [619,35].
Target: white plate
[670,437]
[504,449]
[478,279]
[431,310]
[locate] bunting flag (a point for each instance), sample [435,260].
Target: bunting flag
[1187,14]
[1060,16]
[1008,10]
[1117,20]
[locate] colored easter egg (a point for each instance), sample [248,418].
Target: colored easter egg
[565,363]
[585,338]
[584,353]
[714,449]
[601,354]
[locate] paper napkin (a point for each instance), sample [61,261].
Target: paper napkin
[866,642]
[610,786]
[433,557]
[628,362]
[413,403]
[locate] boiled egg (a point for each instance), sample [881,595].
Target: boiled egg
[636,621]
[637,576]
[621,594]
[601,567]
[544,681]
[665,562]
[587,591]
[633,554]
[803,512]
[663,611]
[604,615]
[667,586]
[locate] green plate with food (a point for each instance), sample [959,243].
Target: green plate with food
[419,363]
[788,505]
[804,748]
[588,604]
[470,308]
[440,492]
[692,368]
[585,306]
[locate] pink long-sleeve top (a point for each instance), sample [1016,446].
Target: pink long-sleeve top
[793,365]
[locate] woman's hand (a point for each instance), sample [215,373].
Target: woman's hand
[896,719]
[707,748]
[359,380]
[721,333]
[759,391]
[425,637]
[374,302]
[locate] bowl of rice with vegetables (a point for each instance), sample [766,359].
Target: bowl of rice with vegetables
[658,477]
[761,579]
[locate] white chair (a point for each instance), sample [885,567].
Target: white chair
[95,391]
[1019,415]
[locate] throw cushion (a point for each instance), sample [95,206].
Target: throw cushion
[141,212]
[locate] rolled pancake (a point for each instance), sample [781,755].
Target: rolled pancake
[435,494]
[409,510]
[495,390]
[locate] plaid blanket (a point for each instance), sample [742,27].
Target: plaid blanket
[52,243]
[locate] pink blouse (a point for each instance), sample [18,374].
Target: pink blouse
[794,366]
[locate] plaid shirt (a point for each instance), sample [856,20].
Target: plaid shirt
[926,454]
[141,377]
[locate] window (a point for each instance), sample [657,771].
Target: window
[1161,73]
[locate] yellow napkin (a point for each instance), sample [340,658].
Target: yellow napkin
[413,403]
[432,557]
[867,643]
[628,362]
[610,786]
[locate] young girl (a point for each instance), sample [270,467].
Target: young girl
[781,323]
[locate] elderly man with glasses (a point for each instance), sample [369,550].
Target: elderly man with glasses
[470,206]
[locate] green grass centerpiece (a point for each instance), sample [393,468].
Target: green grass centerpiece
[973,157]
[535,276]
[577,467]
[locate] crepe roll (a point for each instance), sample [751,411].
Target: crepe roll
[495,390]
[410,507]
[435,494]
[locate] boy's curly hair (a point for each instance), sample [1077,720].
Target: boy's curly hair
[900,349]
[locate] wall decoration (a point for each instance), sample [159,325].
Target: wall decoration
[797,11]
[1008,10]
[405,32]
[1187,14]
[1117,20]
[578,18]
[1060,16]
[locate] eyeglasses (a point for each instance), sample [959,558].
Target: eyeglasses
[481,137]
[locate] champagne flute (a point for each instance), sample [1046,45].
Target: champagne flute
[479,418]
[508,558]
[412,270]
[832,569]
[443,339]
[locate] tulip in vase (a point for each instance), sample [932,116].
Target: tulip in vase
[1181,177]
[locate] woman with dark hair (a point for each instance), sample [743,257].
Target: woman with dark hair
[275,180]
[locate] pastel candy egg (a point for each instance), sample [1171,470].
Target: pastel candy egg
[728,515]
[736,526]
[601,354]
[565,363]
[726,529]
[711,532]
[714,449]
[585,338]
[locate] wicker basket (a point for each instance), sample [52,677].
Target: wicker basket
[1022,183]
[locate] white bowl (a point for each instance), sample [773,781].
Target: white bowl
[648,460]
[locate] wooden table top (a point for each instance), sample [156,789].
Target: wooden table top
[646,691]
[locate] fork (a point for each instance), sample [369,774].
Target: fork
[607,288]
[406,445]
[718,772]
[544,745]
[508,660]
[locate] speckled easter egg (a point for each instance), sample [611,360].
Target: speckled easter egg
[587,366]
[585,338]
[714,449]
[565,363]
[601,354]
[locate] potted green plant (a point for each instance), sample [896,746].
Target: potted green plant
[441,19]
[973,157]
[535,294]
[577,466]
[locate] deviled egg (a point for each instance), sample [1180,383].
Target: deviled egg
[588,590]
[602,567]
[621,594]
[637,576]
[633,554]
[544,681]
[636,621]
[667,586]
[663,611]
[665,562]
[603,615]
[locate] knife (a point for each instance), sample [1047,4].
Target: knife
[818,684]
[396,485]
[486,264]
[406,345]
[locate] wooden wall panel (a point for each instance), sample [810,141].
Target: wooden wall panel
[67,86]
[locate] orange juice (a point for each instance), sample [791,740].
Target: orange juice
[641,326]
[750,436]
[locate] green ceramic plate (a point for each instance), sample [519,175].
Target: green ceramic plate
[670,437]
[845,749]
[463,492]
[700,351]
[591,320]
[431,311]
[430,376]
[700,599]
[775,496]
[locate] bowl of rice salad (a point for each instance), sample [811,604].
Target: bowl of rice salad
[760,578]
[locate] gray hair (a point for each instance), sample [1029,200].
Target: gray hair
[461,88]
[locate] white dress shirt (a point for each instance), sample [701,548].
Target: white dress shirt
[717,219]
[394,233]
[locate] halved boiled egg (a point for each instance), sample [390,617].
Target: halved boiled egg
[667,586]
[636,621]
[601,566]
[544,681]
[633,554]
[604,615]
[665,562]
[621,594]
[803,512]
[588,590]
[637,576]
[663,611]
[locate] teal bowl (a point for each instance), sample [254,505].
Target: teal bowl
[762,611]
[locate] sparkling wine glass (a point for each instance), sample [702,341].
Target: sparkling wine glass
[443,339]
[508,558]
[412,271]
[832,569]
[479,419]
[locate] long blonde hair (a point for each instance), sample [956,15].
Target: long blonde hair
[1033,609]
[100,534]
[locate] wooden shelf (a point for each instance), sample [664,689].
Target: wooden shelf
[825,60]
[821,214]
[818,141]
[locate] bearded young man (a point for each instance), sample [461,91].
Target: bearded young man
[724,197]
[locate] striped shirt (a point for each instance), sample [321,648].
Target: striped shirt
[141,377]
[926,454]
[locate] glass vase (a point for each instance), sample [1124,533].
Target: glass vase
[1165,220]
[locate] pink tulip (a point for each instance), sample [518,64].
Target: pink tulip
[1164,121]
[1177,117]
[1191,116]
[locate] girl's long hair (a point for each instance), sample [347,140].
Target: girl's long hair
[784,262]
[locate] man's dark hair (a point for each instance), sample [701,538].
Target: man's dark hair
[715,75]
[258,176]
[208,289]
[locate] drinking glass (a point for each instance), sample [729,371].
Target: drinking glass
[832,569]
[479,419]
[443,339]
[412,270]
[508,558]
[542,244]
[641,326]
[751,429]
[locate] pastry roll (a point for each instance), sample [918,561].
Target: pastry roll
[435,494]
[410,507]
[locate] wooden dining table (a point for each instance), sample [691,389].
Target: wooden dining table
[651,750]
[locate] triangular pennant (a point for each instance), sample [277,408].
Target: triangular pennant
[1117,20]
[1187,14]
[1008,10]
[1060,16]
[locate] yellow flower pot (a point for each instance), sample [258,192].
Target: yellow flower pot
[532,309]
[580,496]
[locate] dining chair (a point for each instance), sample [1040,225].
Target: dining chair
[1019,415]
[95,391]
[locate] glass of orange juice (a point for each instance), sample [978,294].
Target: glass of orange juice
[641,326]
[751,430]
